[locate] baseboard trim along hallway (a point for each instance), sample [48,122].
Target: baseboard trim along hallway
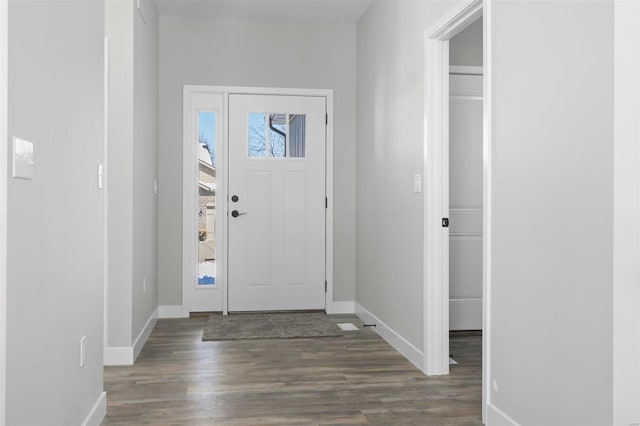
[399,343]
[496,417]
[98,411]
[126,355]
[347,307]
[170,311]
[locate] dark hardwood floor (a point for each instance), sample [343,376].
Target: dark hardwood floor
[354,379]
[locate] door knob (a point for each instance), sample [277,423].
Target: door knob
[236,213]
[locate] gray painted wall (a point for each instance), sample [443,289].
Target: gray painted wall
[552,262]
[252,53]
[145,165]
[466,47]
[390,151]
[119,29]
[626,240]
[551,307]
[4,33]
[55,221]
[133,129]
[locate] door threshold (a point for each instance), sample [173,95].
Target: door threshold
[295,311]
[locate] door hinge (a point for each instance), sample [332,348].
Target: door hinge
[326,119]
[326,203]
[325,286]
[445,222]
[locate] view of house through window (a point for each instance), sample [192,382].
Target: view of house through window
[207,198]
[276,135]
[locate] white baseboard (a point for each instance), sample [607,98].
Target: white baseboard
[144,334]
[170,311]
[98,411]
[114,355]
[342,308]
[465,314]
[495,417]
[126,355]
[399,343]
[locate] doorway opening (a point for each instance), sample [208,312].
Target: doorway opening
[276,183]
[465,180]
[457,205]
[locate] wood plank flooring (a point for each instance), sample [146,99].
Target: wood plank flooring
[354,379]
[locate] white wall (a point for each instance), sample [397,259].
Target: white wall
[552,269]
[145,164]
[3,203]
[553,233]
[390,82]
[119,30]
[626,242]
[55,233]
[133,142]
[253,53]
[466,47]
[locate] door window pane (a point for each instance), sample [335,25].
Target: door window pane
[277,135]
[207,131]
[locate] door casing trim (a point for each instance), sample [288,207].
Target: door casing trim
[188,193]
[436,144]
[193,103]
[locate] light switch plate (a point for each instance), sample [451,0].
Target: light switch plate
[100,175]
[22,159]
[417,183]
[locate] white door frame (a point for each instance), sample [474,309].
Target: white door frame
[436,150]
[189,257]
[4,53]
[190,199]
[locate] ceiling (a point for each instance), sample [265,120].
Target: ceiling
[321,11]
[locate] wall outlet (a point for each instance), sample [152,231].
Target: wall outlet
[144,285]
[83,351]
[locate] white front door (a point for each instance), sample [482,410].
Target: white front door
[276,248]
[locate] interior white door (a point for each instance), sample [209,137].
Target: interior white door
[276,203]
[465,202]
